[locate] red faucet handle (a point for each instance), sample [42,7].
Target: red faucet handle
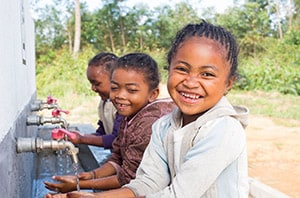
[59,134]
[57,112]
[51,100]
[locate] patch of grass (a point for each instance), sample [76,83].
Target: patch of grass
[283,109]
[83,108]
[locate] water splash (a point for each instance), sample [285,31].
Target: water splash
[75,168]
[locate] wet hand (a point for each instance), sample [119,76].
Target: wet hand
[67,183]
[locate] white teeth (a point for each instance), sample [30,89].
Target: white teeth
[190,96]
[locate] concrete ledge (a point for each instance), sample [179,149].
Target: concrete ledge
[261,190]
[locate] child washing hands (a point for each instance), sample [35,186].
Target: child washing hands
[199,150]
[98,73]
[134,92]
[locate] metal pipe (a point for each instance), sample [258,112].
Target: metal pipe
[40,120]
[37,145]
[40,106]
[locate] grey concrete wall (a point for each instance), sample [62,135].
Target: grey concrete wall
[17,87]
[17,65]
[16,170]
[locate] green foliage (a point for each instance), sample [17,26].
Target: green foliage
[160,56]
[276,69]
[292,38]
[65,74]
[266,63]
[250,24]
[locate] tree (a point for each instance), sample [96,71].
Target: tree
[250,23]
[77,28]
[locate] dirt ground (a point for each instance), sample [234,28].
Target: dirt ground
[274,154]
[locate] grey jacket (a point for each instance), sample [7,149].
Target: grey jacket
[213,157]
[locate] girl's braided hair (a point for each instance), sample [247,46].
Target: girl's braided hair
[103,59]
[207,30]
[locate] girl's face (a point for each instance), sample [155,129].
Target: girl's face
[198,76]
[130,91]
[99,79]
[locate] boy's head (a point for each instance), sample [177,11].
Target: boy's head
[134,83]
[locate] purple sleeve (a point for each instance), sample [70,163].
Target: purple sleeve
[100,130]
[108,139]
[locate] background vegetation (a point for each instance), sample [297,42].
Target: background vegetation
[268,33]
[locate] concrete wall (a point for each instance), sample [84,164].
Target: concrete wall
[18,88]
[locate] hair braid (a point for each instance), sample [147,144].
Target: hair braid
[216,33]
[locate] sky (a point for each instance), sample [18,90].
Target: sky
[219,5]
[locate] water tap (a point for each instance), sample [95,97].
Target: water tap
[37,145]
[39,105]
[55,119]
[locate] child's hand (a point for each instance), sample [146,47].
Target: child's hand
[76,138]
[67,184]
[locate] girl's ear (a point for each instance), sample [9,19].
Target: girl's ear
[229,84]
[154,94]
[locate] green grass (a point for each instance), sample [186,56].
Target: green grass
[283,109]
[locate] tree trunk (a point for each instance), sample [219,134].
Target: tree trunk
[291,14]
[122,28]
[112,41]
[122,32]
[77,28]
[70,37]
[279,28]
[141,40]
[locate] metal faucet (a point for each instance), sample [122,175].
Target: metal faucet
[37,145]
[39,105]
[41,120]
[55,119]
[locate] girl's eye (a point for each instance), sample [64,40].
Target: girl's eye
[207,74]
